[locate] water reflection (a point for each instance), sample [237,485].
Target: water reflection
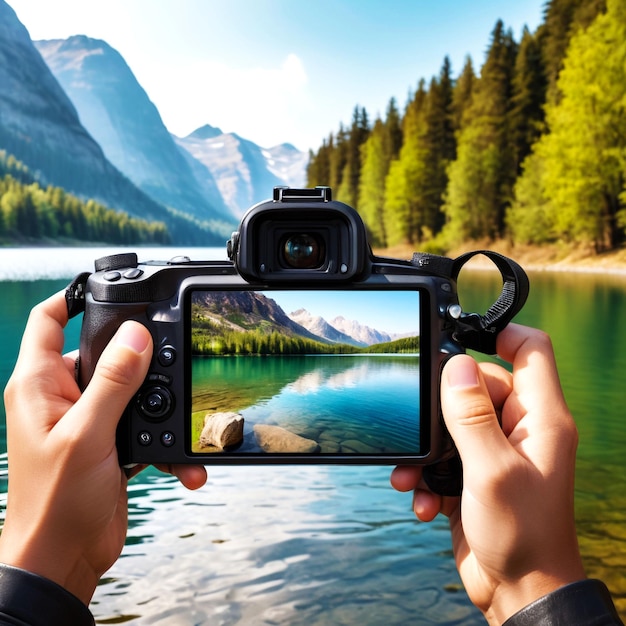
[320,545]
[343,550]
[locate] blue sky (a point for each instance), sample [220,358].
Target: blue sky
[393,311]
[279,71]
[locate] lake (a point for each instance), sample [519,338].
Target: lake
[315,545]
[357,404]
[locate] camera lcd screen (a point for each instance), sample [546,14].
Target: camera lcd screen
[317,372]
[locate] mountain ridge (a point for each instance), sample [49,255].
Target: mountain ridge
[40,127]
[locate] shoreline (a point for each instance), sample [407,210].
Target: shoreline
[549,258]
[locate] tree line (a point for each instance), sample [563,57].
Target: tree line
[532,148]
[29,212]
[210,338]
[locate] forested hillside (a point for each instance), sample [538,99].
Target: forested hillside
[33,214]
[530,147]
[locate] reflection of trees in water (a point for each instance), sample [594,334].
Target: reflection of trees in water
[235,383]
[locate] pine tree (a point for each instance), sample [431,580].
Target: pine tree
[462,95]
[482,176]
[392,136]
[561,20]
[338,158]
[439,151]
[348,190]
[372,184]
[403,197]
[528,99]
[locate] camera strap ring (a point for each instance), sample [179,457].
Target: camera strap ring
[479,332]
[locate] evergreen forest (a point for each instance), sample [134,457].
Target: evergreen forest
[31,213]
[211,338]
[529,148]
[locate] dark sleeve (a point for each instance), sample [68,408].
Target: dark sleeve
[585,603]
[30,600]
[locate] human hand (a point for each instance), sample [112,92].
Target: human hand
[513,530]
[67,508]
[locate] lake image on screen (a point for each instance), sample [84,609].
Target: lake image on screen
[305,372]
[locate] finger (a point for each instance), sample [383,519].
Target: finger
[426,504]
[536,376]
[406,477]
[470,416]
[191,476]
[544,427]
[119,373]
[40,382]
[43,334]
[70,362]
[499,382]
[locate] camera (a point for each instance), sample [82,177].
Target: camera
[303,347]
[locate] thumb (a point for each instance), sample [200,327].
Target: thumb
[470,416]
[121,369]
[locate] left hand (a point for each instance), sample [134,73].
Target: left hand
[67,510]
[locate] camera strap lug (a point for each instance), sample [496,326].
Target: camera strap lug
[75,295]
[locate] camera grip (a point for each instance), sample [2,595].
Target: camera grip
[446,477]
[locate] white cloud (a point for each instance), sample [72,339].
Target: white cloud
[265,104]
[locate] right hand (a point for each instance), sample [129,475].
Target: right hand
[513,528]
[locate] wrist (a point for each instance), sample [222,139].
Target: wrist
[511,597]
[41,559]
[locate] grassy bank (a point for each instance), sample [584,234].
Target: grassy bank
[554,257]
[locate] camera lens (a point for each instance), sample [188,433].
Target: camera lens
[304,251]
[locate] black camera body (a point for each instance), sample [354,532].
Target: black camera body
[302,348]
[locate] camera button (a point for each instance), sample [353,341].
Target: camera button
[160,378]
[144,438]
[133,274]
[155,403]
[111,277]
[168,439]
[167,356]
[455,311]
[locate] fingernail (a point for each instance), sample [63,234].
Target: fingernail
[133,336]
[462,372]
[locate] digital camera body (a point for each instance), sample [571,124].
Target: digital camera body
[302,348]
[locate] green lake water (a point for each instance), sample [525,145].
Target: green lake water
[332,545]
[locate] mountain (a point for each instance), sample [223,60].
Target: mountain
[119,115]
[245,172]
[360,332]
[341,330]
[320,327]
[248,310]
[40,126]
[218,313]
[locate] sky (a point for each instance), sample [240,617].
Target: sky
[395,312]
[276,71]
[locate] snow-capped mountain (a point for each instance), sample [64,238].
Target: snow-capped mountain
[341,330]
[320,327]
[359,332]
[245,173]
[73,112]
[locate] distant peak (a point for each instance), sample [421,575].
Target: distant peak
[206,132]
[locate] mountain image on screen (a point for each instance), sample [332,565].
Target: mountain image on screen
[226,322]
